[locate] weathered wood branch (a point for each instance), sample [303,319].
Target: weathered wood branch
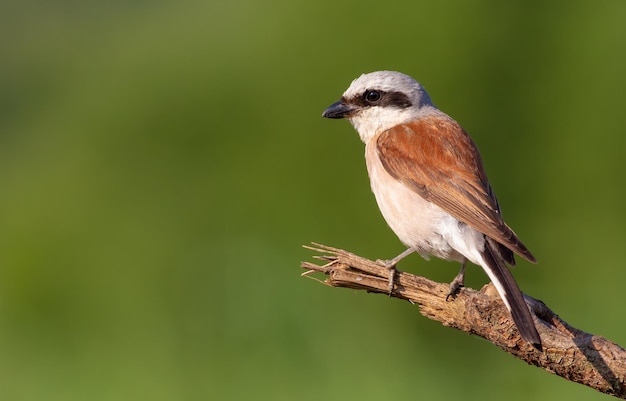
[567,352]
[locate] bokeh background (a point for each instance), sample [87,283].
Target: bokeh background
[161,164]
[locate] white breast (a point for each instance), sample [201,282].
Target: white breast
[418,223]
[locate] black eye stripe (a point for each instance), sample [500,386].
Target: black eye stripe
[396,99]
[387,99]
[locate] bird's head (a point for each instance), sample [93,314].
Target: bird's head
[379,100]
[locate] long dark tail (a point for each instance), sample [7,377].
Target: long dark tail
[509,290]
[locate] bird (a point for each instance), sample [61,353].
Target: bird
[430,185]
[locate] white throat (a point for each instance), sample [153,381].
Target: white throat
[372,121]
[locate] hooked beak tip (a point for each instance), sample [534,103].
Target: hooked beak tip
[337,110]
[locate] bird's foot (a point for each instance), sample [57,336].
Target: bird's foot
[456,284]
[391,266]
[455,288]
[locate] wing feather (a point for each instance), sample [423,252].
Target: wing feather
[436,158]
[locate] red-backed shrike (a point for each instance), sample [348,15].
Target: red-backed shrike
[429,181]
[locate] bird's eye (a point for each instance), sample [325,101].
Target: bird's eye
[373,96]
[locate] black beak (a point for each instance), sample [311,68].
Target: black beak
[338,110]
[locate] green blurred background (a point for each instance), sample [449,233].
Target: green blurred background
[161,164]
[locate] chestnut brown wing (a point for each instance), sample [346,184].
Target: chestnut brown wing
[436,158]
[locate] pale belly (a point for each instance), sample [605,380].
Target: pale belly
[420,224]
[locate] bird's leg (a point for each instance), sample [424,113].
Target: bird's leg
[391,265]
[457,283]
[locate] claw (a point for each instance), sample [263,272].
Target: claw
[457,283]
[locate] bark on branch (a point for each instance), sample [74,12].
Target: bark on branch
[567,352]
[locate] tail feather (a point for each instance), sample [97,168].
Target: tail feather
[509,291]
